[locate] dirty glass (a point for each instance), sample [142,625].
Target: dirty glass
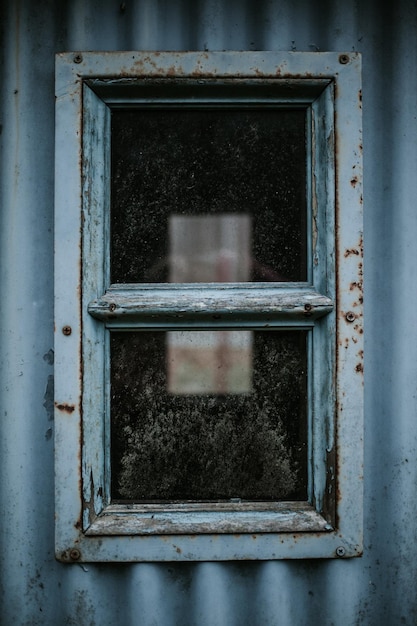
[208,415]
[208,194]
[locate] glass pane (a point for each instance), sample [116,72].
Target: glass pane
[220,192]
[208,415]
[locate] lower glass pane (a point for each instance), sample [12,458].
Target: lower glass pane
[208,415]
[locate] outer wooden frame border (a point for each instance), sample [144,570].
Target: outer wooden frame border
[81,383]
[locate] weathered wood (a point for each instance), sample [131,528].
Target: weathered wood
[334,431]
[131,305]
[208,518]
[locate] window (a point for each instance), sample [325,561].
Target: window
[208,306]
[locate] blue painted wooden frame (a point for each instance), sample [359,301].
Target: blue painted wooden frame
[88,526]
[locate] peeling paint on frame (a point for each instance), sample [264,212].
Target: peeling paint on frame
[72,216]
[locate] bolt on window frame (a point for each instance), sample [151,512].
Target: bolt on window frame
[87,307]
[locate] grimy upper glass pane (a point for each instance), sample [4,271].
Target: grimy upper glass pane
[208,415]
[208,195]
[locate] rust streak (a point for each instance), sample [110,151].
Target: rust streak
[351,251]
[67,408]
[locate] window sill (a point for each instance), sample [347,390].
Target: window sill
[207,518]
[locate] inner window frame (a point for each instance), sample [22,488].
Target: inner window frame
[104,530]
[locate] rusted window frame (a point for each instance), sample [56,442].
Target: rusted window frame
[89,527]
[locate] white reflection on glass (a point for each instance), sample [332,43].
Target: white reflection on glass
[209,362]
[209,248]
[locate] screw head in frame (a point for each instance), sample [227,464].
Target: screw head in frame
[75,554]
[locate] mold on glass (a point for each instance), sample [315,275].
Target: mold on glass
[174,169]
[208,415]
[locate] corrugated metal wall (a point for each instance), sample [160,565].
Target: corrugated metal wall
[379,588]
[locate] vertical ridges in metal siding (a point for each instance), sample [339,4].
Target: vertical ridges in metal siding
[380,587]
[390,165]
[26,328]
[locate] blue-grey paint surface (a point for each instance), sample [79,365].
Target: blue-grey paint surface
[378,588]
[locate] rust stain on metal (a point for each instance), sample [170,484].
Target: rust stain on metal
[351,251]
[67,408]
[359,368]
[357,251]
[354,181]
[359,286]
